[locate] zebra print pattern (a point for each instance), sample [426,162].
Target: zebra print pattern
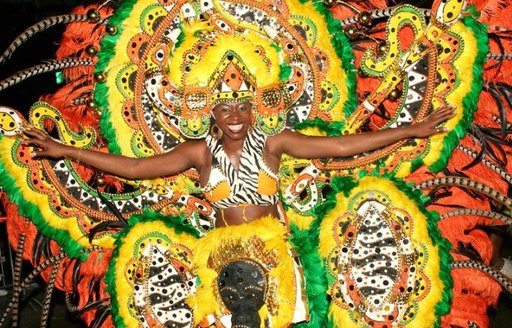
[244,182]
[466,183]
[50,66]
[48,295]
[163,289]
[39,27]
[476,212]
[378,13]
[503,173]
[504,282]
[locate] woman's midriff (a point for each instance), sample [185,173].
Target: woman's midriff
[243,214]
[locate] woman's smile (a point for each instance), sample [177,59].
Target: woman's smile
[235,128]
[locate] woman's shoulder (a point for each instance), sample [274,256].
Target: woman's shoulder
[195,150]
[284,135]
[197,146]
[275,143]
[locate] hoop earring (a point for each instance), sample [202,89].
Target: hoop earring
[215,131]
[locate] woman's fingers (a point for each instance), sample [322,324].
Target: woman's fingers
[37,139]
[441,116]
[33,141]
[34,154]
[430,124]
[34,133]
[42,144]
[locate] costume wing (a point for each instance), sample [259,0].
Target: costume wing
[463,171]
[128,89]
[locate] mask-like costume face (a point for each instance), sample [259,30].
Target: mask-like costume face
[242,287]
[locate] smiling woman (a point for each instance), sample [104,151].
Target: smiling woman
[234,117]
[281,188]
[237,162]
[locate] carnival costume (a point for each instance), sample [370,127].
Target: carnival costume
[381,237]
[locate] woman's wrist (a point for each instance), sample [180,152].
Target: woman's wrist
[409,131]
[72,152]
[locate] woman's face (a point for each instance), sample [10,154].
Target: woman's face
[234,119]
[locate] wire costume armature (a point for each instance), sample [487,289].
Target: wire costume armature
[393,237]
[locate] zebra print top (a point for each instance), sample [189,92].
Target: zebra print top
[254,183]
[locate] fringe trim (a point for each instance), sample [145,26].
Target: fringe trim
[470,101]
[104,57]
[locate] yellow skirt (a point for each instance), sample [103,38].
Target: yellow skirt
[161,272]
[263,244]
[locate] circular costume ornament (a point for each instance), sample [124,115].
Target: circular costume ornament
[171,62]
[150,274]
[265,269]
[385,258]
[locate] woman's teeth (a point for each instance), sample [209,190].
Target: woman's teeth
[235,127]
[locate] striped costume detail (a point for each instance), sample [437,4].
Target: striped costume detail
[253,183]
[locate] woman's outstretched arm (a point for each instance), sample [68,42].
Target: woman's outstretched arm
[181,158]
[302,146]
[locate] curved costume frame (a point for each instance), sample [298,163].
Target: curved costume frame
[391,238]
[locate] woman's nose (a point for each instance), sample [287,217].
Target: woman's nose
[235,112]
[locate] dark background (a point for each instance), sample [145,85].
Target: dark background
[16,16]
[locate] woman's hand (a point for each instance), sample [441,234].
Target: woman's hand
[302,146]
[429,125]
[44,145]
[180,158]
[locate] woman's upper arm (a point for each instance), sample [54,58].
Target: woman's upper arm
[179,159]
[302,146]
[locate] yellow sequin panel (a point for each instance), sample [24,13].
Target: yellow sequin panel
[150,16]
[307,27]
[125,79]
[41,111]
[404,16]
[10,121]
[140,148]
[219,192]
[448,12]
[266,184]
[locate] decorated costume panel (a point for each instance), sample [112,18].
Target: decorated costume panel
[382,239]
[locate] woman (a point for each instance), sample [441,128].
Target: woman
[234,121]
[238,176]
[238,171]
